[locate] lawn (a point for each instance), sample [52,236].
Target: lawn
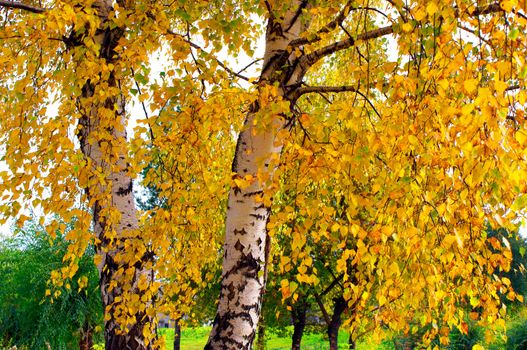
[195,338]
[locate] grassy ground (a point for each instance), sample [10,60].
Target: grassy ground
[195,338]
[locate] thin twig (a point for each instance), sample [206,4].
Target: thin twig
[197,47]
[143,104]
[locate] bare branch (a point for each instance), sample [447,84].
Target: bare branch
[321,89]
[250,64]
[21,6]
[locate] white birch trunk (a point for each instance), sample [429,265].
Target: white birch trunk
[246,241]
[116,194]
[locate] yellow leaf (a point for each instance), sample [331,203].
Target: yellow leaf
[407,27]
[471,85]
[500,86]
[431,8]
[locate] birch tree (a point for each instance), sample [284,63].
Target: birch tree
[308,46]
[423,139]
[88,37]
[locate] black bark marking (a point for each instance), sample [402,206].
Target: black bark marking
[124,191]
[252,194]
[238,246]
[259,216]
[261,206]
[239,232]
[231,291]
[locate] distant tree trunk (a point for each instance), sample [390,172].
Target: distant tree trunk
[99,137]
[177,335]
[336,320]
[260,341]
[86,337]
[257,151]
[298,315]
[351,343]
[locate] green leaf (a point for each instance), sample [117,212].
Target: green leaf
[514,33]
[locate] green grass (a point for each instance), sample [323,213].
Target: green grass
[195,338]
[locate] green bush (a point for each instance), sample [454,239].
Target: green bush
[29,319]
[517,334]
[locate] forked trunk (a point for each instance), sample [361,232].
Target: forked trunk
[258,148]
[112,198]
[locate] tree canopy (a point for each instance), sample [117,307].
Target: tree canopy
[377,140]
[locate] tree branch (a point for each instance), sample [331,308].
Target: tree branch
[21,6]
[316,55]
[322,308]
[321,89]
[485,10]
[327,28]
[220,63]
[298,12]
[336,281]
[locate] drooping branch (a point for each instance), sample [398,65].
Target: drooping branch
[21,6]
[218,61]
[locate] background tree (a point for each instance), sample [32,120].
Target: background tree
[39,315]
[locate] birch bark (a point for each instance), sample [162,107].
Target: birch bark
[246,242]
[114,212]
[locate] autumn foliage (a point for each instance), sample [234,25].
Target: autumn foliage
[377,140]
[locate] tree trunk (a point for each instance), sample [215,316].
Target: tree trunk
[102,141]
[351,343]
[260,342]
[257,150]
[177,335]
[298,314]
[336,320]
[86,337]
